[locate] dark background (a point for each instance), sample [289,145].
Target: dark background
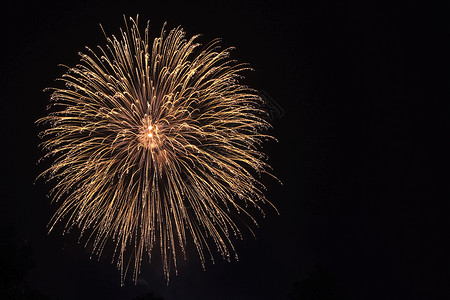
[359,151]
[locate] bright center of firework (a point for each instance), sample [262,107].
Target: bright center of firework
[148,135]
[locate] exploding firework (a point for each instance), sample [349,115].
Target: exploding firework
[155,143]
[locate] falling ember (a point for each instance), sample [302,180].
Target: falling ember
[155,143]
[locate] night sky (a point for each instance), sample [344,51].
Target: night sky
[359,127]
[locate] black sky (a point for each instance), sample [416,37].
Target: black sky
[359,85]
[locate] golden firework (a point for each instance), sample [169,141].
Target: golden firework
[155,143]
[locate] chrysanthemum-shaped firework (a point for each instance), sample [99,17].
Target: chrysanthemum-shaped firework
[155,143]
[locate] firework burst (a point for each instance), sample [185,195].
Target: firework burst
[155,143]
